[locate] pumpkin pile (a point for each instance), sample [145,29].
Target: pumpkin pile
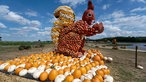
[56,67]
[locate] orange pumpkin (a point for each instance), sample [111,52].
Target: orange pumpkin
[96,58]
[93,64]
[100,72]
[1,62]
[101,56]
[86,80]
[69,78]
[53,74]
[77,73]
[101,62]
[60,71]
[106,71]
[66,69]
[99,77]
[95,80]
[43,76]
[87,67]
[73,67]
[83,70]
[35,64]
[18,70]
[28,65]
[7,67]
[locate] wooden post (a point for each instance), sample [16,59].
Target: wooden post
[136,56]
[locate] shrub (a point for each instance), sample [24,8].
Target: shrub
[26,47]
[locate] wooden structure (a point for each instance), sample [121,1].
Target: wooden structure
[0,38]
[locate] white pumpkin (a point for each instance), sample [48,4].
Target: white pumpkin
[82,57]
[11,68]
[109,59]
[57,67]
[2,66]
[91,72]
[48,70]
[32,70]
[108,78]
[86,76]
[140,67]
[72,71]
[23,72]
[37,73]
[59,78]
[67,73]
[105,58]
[21,65]
[41,67]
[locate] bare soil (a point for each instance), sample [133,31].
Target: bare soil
[122,68]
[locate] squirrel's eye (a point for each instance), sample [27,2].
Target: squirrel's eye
[89,15]
[57,16]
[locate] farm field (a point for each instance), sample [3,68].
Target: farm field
[122,68]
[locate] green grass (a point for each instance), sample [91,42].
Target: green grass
[11,43]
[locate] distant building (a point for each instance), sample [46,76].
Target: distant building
[0,38]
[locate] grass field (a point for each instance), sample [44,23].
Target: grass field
[122,68]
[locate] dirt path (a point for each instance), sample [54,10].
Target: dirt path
[122,68]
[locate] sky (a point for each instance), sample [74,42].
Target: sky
[32,20]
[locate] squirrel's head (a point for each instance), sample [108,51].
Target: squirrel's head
[88,15]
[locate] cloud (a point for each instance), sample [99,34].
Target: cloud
[106,6]
[123,25]
[139,9]
[11,16]
[45,32]
[34,23]
[114,15]
[4,10]
[8,15]
[72,3]
[52,19]
[31,13]
[2,25]
[141,1]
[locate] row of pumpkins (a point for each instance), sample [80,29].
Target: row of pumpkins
[56,67]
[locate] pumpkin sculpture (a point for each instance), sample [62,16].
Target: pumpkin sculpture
[72,38]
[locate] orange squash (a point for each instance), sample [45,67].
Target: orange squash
[96,58]
[77,73]
[18,70]
[53,74]
[83,70]
[43,76]
[7,67]
[99,77]
[86,80]
[69,78]
[100,72]
[95,80]
[66,69]
[73,67]
[28,65]
[60,71]
[101,62]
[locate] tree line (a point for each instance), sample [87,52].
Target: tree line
[124,39]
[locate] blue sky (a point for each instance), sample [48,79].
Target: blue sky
[31,20]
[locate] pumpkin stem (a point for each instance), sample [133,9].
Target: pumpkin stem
[52,67]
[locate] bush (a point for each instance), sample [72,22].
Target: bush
[24,47]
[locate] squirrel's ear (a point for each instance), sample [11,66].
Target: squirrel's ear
[90,5]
